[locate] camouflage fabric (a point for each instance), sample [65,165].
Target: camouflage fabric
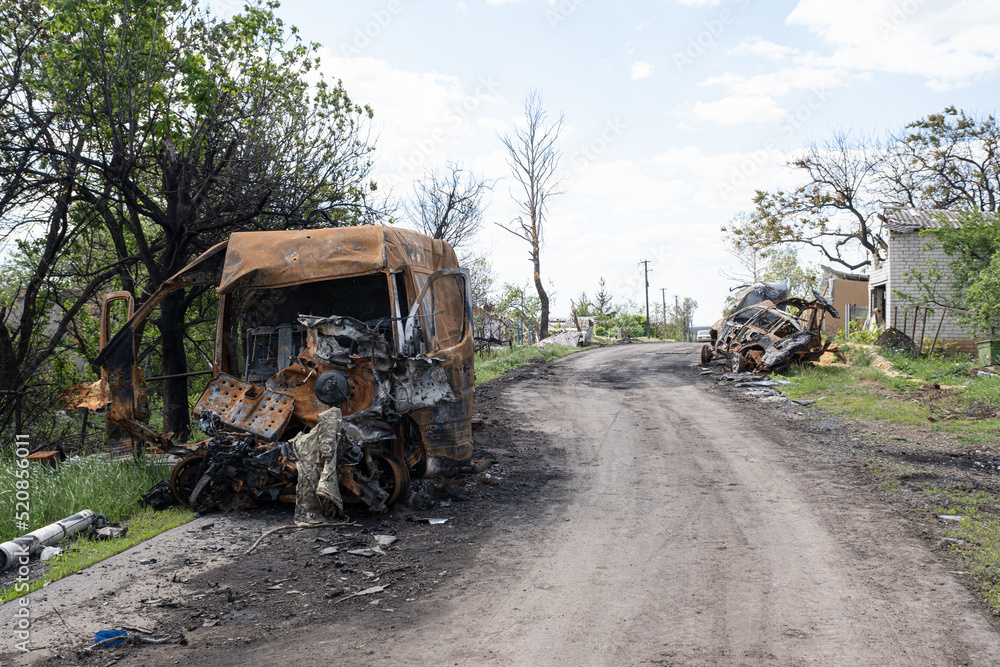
[317,492]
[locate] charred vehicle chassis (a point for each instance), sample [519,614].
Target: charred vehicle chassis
[768,337]
[370,326]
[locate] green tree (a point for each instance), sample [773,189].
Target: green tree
[949,160]
[603,301]
[517,303]
[166,128]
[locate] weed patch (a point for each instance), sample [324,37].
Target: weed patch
[111,488]
[494,364]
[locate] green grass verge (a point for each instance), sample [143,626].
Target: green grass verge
[943,419]
[864,391]
[81,552]
[494,364]
[977,536]
[111,488]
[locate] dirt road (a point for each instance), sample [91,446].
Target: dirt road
[672,530]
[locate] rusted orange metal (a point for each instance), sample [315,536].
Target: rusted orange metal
[373,320]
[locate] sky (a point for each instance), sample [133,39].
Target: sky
[676,111]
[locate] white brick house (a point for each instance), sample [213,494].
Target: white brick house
[907,250]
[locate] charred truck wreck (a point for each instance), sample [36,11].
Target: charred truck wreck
[343,365]
[768,331]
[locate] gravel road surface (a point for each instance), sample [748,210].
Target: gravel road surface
[673,526]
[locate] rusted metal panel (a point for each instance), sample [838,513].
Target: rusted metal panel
[400,378]
[768,335]
[246,407]
[422,384]
[94,396]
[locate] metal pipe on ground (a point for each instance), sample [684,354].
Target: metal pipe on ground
[30,544]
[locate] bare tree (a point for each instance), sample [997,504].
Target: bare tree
[449,205]
[533,159]
[835,211]
[949,160]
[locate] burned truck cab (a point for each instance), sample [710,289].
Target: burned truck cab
[373,321]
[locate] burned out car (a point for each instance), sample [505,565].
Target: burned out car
[769,335]
[353,345]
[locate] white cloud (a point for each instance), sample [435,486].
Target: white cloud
[948,43]
[461,7]
[780,82]
[641,69]
[421,118]
[739,110]
[628,190]
[765,49]
[493,124]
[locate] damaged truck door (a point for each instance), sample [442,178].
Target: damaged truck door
[369,327]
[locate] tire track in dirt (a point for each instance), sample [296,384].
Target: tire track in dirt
[677,531]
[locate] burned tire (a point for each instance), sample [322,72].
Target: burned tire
[738,363]
[184,478]
[394,478]
[706,355]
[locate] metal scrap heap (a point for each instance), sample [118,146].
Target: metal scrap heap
[770,334]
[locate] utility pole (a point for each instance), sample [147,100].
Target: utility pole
[645,264]
[663,291]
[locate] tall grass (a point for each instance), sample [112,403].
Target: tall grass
[111,488]
[494,364]
[985,390]
[944,370]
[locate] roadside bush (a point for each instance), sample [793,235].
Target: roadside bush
[634,326]
[860,357]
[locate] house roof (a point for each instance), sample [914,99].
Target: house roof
[841,275]
[908,220]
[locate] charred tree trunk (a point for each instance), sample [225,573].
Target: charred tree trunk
[174,360]
[533,159]
[543,298]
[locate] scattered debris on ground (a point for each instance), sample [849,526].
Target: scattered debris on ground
[21,549]
[247,576]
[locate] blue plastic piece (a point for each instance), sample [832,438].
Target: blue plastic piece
[109,634]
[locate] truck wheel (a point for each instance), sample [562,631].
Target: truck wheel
[706,355]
